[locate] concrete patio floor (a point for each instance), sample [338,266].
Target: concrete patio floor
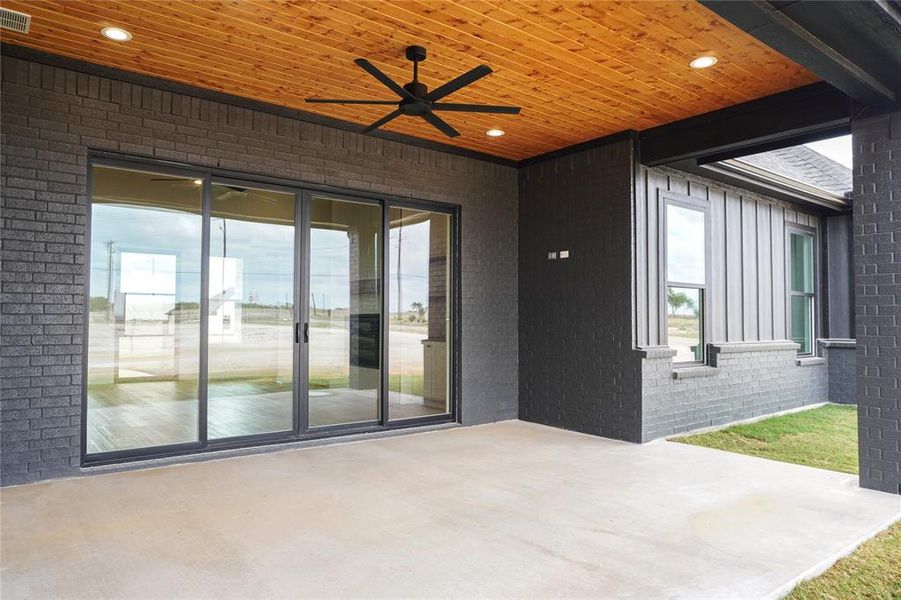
[504,510]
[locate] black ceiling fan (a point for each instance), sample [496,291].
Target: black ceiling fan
[231,191]
[415,98]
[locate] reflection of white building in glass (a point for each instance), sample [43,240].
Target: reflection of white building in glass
[226,296]
[145,302]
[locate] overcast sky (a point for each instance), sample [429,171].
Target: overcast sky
[152,239]
[838,149]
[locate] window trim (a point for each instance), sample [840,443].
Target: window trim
[301,189]
[811,232]
[665,199]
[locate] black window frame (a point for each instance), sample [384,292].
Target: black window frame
[811,232]
[667,199]
[303,191]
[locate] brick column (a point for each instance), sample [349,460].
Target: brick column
[877,281]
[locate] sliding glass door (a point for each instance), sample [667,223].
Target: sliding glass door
[345,311]
[224,312]
[420,309]
[251,311]
[143,378]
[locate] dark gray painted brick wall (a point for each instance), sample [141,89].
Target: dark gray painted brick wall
[52,116]
[745,380]
[877,280]
[577,367]
[841,357]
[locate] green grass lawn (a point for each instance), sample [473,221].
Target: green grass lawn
[872,572]
[824,437]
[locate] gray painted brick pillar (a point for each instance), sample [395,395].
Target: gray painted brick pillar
[877,281]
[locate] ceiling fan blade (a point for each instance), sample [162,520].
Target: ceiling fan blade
[462,81]
[261,197]
[330,101]
[482,108]
[441,125]
[386,81]
[382,121]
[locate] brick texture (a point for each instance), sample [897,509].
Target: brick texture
[51,117]
[877,281]
[841,357]
[750,380]
[577,368]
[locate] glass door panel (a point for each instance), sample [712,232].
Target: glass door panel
[144,319]
[345,312]
[250,383]
[420,295]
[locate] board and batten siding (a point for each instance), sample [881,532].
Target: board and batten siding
[746,293]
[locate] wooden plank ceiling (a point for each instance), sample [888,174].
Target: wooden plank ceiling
[579,69]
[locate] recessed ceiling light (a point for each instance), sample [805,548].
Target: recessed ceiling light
[702,62]
[117,34]
[495,132]
[198,182]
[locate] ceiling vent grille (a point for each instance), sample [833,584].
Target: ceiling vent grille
[15,21]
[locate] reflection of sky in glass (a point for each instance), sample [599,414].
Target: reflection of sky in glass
[267,253]
[145,231]
[414,265]
[330,268]
[684,245]
[266,249]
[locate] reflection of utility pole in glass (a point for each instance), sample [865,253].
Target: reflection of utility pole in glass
[224,240]
[400,230]
[110,249]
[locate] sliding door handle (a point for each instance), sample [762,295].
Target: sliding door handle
[305,333]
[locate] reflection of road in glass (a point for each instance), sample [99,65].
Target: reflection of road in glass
[329,348]
[683,346]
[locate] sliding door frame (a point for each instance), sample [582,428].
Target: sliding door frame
[303,193]
[308,196]
[298,349]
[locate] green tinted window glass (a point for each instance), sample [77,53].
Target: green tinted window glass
[802,322]
[801,263]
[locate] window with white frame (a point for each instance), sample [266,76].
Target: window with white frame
[802,288]
[686,280]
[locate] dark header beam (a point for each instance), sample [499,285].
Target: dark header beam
[807,113]
[814,34]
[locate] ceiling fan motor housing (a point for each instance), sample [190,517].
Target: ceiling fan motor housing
[415,53]
[417,105]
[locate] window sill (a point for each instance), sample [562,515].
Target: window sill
[838,343]
[656,352]
[809,361]
[694,371]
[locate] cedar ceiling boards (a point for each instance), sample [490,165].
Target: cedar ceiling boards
[580,70]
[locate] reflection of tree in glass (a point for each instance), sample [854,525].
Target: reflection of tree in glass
[677,300]
[99,303]
[419,311]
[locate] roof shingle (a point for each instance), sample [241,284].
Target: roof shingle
[800,163]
